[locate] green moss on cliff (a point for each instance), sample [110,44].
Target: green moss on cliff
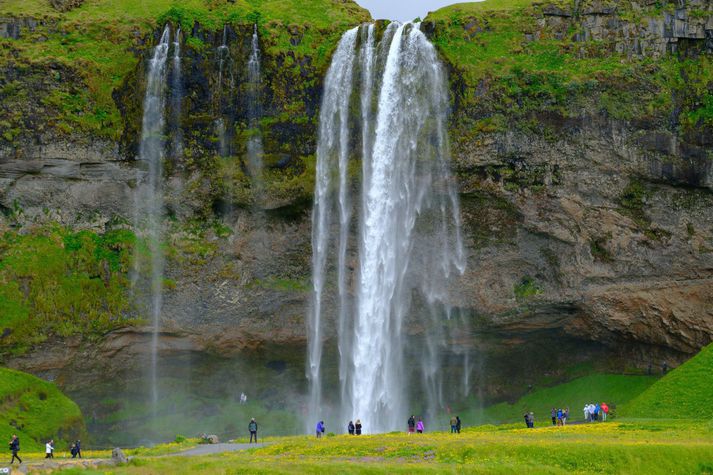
[527,61]
[100,41]
[57,282]
[37,411]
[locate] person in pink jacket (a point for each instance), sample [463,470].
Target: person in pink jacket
[419,426]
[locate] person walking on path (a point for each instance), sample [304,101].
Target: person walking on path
[411,425]
[586,413]
[419,426]
[15,448]
[77,449]
[553,414]
[252,427]
[320,429]
[559,417]
[357,427]
[458,424]
[454,423]
[565,416]
[351,428]
[49,450]
[605,411]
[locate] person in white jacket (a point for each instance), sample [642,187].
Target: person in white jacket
[49,450]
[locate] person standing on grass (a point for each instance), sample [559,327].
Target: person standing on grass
[15,448]
[559,417]
[565,416]
[411,424]
[458,424]
[419,426]
[77,452]
[351,428]
[49,449]
[553,414]
[252,427]
[320,429]
[586,413]
[454,423]
[357,427]
[605,411]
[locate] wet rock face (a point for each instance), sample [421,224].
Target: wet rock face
[688,30]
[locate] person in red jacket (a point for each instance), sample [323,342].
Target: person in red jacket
[605,411]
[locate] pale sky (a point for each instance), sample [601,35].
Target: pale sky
[403,10]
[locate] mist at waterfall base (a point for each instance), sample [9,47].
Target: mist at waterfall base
[390,277]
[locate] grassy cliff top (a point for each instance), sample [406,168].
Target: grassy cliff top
[537,56]
[102,41]
[686,392]
[37,411]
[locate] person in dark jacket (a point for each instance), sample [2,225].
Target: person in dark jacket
[15,448]
[350,428]
[320,429]
[411,425]
[77,449]
[252,427]
[357,427]
[458,424]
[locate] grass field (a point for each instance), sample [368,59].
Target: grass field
[686,392]
[635,446]
[36,411]
[615,390]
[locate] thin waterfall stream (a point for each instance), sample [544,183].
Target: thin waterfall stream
[149,201]
[405,207]
[254,147]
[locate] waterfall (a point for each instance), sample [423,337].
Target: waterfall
[176,97]
[254,147]
[333,141]
[408,221]
[149,199]
[224,60]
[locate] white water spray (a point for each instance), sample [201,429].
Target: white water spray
[149,200]
[408,242]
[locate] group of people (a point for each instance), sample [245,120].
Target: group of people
[413,425]
[75,449]
[596,412]
[559,416]
[455,425]
[354,429]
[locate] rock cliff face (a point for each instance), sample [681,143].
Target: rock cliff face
[587,203]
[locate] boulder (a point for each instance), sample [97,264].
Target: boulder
[117,456]
[65,5]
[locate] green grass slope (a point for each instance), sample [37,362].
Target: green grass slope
[615,390]
[686,392]
[37,411]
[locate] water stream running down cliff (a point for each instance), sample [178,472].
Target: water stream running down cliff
[148,267]
[224,64]
[395,270]
[254,146]
[176,98]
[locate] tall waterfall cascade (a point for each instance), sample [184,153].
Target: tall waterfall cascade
[254,146]
[386,243]
[147,277]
